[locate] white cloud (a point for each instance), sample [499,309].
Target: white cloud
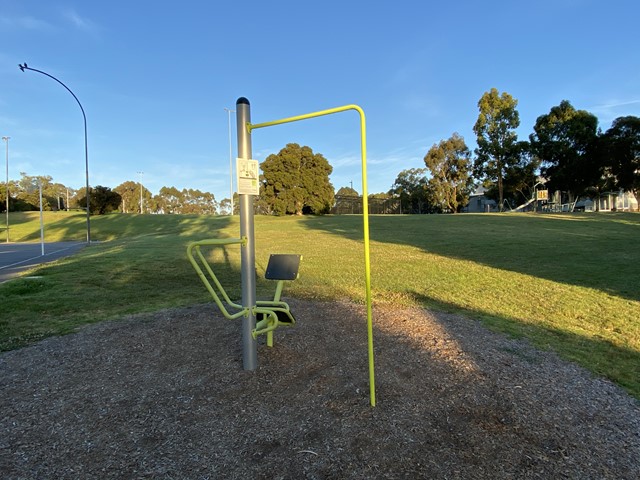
[30,23]
[610,110]
[6,121]
[79,22]
[25,23]
[347,161]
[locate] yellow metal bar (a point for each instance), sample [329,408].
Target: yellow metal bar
[195,247]
[276,298]
[213,276]
[306,116]
[221,241]
[365,216]
[278,293]
[269,323]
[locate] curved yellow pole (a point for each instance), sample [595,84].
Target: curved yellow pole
[365,216]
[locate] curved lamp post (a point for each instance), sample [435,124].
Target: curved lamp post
[24,67]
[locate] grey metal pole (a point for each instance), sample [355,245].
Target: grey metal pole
[6,139]
[248,253]
[41,219]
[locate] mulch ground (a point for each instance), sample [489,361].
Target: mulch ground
[164,396]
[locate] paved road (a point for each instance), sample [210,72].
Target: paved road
[18,257]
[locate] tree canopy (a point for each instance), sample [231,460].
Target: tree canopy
[347,201]
[566,149]
[347,192]
[187,200]
[450,165]
[565,142]
[130,192]
[102,200]
[411,187]
[621,146]
[24,193]
[296,181]
[498,147]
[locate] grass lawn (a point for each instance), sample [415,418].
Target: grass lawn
[568,282]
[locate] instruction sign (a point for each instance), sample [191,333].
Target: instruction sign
[247,176]
[543,195]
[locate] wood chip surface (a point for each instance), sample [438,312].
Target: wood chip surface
[164,395]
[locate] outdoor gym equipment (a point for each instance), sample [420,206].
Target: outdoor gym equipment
[274,313]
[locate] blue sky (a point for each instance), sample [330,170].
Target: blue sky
[154,78]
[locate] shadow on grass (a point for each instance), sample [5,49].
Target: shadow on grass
[146,272]
[590,250]
[117,226]
[16,221]
[128,275]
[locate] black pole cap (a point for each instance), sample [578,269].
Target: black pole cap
[242,101]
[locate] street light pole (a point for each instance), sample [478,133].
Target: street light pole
[6,139]
[230,160]
[141,174]
[41,219]
[24,67]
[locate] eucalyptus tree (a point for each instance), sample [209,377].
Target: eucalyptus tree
[130,192]
[449,163]
[498,146]
[27,192]
[170,200]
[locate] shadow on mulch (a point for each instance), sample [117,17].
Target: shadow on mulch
[165,396]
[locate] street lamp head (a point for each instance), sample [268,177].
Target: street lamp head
[22,67]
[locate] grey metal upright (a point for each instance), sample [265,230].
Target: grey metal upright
[248,253]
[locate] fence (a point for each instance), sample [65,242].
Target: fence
[350,205]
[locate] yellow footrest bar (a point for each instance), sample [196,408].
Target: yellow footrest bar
[272,318]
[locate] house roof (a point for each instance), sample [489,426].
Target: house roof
[479,192]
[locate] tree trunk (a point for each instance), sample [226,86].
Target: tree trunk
[500,193]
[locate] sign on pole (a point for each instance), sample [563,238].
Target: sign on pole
[247,176]
[543,195]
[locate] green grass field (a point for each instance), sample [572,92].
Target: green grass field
[570,283]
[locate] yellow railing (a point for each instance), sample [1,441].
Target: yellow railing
[198,262]
[365,215]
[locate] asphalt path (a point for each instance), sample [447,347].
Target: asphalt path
[15,258]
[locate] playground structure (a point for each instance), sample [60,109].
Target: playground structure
[520,208]
[263,317]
